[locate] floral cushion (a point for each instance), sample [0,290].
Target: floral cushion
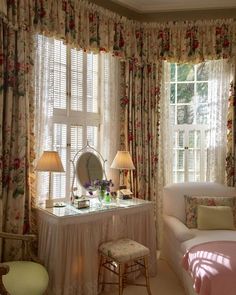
[123,250]
[192,202]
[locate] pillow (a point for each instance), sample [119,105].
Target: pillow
[215,217]
[191,203]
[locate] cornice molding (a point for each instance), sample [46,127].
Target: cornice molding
[172,7]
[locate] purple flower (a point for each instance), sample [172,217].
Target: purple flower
[102,185]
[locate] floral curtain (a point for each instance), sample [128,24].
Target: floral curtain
[139,127]
[231,138]
[91,27]
[141,47]
[140,95]
[16,141]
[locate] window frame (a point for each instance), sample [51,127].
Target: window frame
[82,118]
[186,128]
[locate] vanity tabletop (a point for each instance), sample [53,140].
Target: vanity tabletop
[95,207]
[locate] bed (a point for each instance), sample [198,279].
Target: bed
[178,239]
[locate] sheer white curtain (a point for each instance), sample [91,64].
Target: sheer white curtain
[44,59]
[51,73]
[220,76]
[165,132]
[110,129]
[164,148]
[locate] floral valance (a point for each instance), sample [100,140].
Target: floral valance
[91,27]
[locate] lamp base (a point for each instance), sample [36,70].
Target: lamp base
[49,203]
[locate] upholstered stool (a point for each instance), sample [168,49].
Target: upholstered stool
[123,257]
[25,278]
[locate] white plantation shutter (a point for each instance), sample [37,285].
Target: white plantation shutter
[60,145]
[92,83]
[68,83]
[76,144]
[59,75]
[77,80]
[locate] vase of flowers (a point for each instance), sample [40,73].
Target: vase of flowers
[102,188]
[101,196]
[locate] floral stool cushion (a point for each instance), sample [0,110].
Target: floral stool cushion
[123,250]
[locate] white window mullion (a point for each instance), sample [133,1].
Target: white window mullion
[85,97]
[68,150]
[101,83]
[203,156]
[186,154]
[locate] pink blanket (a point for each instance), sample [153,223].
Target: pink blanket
[212,266]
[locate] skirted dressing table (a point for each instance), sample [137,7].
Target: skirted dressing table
[69,239]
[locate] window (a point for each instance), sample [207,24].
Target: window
[197,113]
[73,83]
[189,117]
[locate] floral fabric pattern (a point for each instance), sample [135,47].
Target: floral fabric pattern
[192,202]
[141,48]
[231,138]
[124,250]
[140,122]
[16,140]
[88,26]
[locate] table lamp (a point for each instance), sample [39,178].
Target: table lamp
[122,161]
[51,162]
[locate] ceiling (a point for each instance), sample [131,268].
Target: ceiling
[148,6]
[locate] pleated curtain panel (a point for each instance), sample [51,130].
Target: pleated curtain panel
[141,49]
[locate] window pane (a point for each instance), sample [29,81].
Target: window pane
[76,80]
[194,164]
[191,138]
[58,76]
[172,93]
[194,139]
[172,72]
[185,115]
[202,92]
[185,92]
[180,176]
[202,71]
[193,177]
[189,106]
[181,139]
[92,83]
[180,159]
[191,159]
[172,115]
[202,114]
[185,72]
[59,144]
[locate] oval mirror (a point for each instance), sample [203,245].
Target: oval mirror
[88,168]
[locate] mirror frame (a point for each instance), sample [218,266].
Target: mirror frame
[80,161]
[87,148]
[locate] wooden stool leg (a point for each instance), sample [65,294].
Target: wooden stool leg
[101,259]
[121,272]
[147,275]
